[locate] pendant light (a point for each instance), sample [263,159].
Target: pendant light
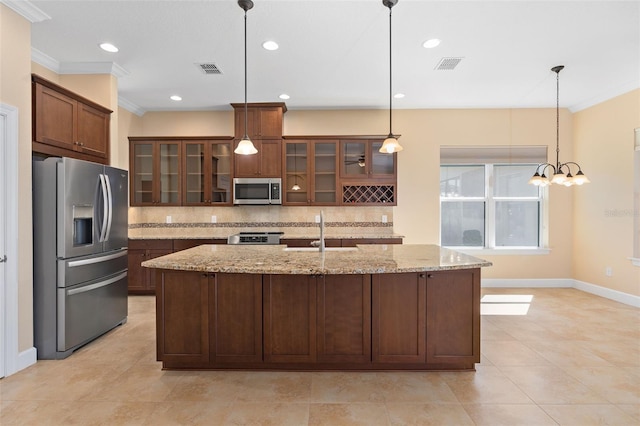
[390,144]
[559,178]
[295,186]
[245,146]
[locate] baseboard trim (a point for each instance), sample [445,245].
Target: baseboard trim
[618,296]
[27,358]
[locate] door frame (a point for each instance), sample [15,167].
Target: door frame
[9,294]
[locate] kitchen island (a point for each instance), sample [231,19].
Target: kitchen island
[371,307]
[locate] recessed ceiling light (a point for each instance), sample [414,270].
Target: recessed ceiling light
[399,95]
[431,43]
[176,98]
[270,45]
[108,47]
[284,96]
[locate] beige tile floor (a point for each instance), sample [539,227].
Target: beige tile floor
[573,359]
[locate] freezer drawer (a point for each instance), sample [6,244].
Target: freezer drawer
[86,268]
[88,310]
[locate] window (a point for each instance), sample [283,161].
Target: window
[489,205]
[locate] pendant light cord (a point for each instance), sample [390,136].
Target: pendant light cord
[246,136]
[390,75]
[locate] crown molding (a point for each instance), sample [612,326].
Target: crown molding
[27,10]
[45,60]
[93,68]
[130,106]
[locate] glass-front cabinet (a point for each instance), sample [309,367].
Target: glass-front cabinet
[155,173]
[361,159]
[311,172]
[207,172]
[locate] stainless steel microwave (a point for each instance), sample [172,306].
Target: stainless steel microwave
[257,191]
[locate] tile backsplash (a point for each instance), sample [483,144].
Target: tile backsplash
[196,222]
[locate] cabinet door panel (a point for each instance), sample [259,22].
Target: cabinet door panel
[236,334]
[269,122]
[344,318]
[453,316]
[137,275]
[289,318]
[150,276]
[93,131]
[182,306]
[398,326]
[55,118]
[270,157]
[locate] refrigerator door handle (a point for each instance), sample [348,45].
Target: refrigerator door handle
[110,210]
[76,263]
[105,204]
[96,285]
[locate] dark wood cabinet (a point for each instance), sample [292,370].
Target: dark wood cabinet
[182,300]
[66,124]
[207,172]
[289,318]
[453,317]
[155,172]
[312,167]
[361,159]
[398,318]
[264,128]
[415,321]
[142,280]
[236,318]
[266,163]
[344,319]
[167,171]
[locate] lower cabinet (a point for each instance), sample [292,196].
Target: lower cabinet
[354,321]
[453,317]
[182,301]
[398,318]
[142,280]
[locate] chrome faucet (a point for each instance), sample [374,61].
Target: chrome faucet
[320,243]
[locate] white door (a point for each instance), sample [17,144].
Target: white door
[3,199]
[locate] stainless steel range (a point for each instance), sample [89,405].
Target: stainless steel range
[255,237]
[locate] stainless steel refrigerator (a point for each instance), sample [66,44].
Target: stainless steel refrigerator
[80,253]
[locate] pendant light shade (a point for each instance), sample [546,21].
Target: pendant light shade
[390,144]
[245,146]
[559,177]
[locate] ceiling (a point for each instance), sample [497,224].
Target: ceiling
[334,54]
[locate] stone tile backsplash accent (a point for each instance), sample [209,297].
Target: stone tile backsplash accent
[295,222]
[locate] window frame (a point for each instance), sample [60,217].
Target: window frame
[490,201]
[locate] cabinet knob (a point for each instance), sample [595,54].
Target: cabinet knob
[430,275]
[422,275]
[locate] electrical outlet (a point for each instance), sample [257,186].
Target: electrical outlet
[214,218]
[608,271]
[317,218]
[168,219]
[384,218]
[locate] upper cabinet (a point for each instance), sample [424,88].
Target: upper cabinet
[311,172]
[66,124]
[154,172]
[264,128]
[180,171]
[207,169]
[362,159]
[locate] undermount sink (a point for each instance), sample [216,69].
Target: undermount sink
[312,249]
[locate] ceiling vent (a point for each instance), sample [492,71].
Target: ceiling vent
[209,68]
[447,64]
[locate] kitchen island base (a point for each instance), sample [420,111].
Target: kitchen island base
[380,321]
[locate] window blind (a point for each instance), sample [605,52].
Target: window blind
[492,154]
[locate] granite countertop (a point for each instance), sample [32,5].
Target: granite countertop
[274,259]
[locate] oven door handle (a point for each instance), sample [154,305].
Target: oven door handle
[96,285]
